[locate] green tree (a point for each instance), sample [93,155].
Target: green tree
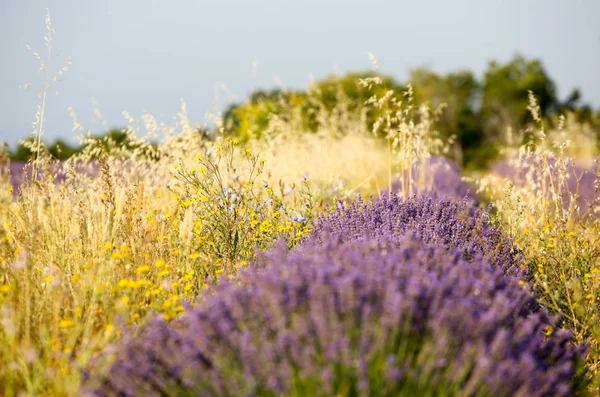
[574,105]
[505,94]
[345,94]
[61,150]
[21,152]
[252,117]
[459,92]
[326,97]
[119,140]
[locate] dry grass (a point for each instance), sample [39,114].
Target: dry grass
[550,205]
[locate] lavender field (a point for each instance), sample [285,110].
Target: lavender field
[205,272]
[359,237]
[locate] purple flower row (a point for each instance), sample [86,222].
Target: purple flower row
[457,226]
[393,297]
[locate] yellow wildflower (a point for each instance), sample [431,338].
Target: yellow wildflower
[66,323]
[240,264]
[55,344]
[143,269]
[590,297]
[118,255]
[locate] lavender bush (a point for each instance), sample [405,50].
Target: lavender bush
[558,179]
[438,177]
[122,170]
[372,317]
[17,171]
[458,226]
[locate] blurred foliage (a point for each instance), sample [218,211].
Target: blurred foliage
[505,93]
[458,93]
[61,150]
[477,112]
[333,94]
[117,139]
[21,152]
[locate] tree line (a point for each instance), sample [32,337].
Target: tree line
[476,111]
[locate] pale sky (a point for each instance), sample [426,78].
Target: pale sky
[137,55]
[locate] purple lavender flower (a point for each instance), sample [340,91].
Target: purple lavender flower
[382,317]
[437,177]
[458,226]
[299,219]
